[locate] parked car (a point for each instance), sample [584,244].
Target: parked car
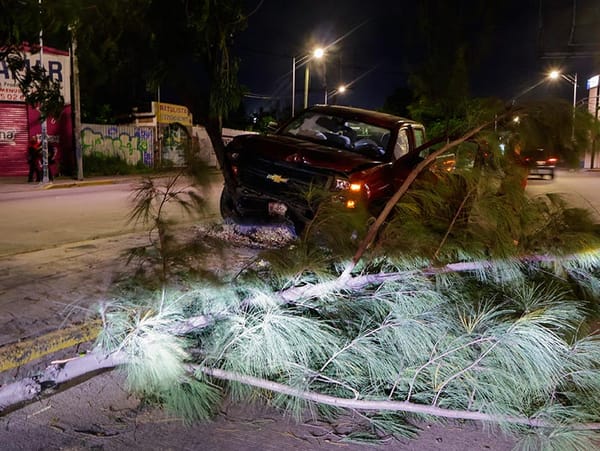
[356,155]
[540,163]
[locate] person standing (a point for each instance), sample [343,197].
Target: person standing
[34,156]
[52,161]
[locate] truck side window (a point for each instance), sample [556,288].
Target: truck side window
[419,134]
[402,145]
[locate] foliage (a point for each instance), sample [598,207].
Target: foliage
[151,200]
[459,341]
[505,336]
[551,125]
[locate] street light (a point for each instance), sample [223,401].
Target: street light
[340,90]
[318,53]
[554,75]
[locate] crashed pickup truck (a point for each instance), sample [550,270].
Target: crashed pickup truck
[356,155]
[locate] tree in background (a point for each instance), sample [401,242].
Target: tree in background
[20,27]
[440,80]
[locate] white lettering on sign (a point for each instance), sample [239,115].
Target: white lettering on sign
[8,137]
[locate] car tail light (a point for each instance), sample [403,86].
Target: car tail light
[552,160]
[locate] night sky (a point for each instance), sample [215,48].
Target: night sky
[378,50]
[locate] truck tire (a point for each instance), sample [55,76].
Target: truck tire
[227,207]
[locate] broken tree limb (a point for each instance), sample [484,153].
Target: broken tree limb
[412,176]
[17,394]
[353,283]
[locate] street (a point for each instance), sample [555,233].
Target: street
[580,188]
[34,218]
[62,248]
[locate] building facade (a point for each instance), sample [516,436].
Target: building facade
[20,122]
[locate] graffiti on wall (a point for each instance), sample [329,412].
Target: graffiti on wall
[132,144]
[176,141]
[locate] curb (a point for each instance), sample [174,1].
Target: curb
[20,353]
[79,184]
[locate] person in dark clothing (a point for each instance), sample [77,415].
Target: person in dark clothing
[51,161]
[34,155]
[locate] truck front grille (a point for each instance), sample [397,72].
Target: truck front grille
[281,180]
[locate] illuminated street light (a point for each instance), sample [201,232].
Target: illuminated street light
[318,53]
[340,90]
[555,75]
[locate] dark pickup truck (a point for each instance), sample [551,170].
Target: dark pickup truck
[355,155]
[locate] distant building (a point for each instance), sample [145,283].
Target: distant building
[19,121]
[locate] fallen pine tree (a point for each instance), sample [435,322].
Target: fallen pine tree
[391,343]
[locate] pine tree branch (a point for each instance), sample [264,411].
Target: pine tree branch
[72,371]
[452,224]
[79,369]
[355,283]
[384,405]
[412,176]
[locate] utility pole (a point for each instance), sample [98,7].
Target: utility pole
[76,104]
[44,124]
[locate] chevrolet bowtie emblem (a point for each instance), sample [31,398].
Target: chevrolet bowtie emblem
[276,178]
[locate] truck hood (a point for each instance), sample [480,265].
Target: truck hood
[300,151]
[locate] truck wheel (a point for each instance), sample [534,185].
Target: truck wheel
[227,207]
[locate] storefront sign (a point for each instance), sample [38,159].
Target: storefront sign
[57,65]
[168,113]
[8,137]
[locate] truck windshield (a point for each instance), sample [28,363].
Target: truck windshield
[339,132]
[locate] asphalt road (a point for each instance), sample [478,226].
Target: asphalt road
[35,217]
[580,188]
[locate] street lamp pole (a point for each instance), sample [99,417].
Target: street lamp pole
[304,60]
[574,106]
[293,85]
[573,80]
[306,84]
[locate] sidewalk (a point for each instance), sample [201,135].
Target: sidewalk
[19,184]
